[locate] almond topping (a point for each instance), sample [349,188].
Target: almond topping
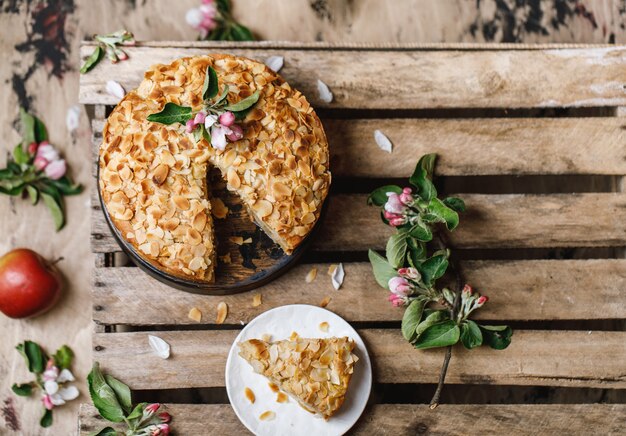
[267,416]
[218,208]
[199,221]
[331,269]
[311,275]
[250,395]
[233,178]
[266,337]
[325,302]
[273,387]
[195,314]
[160,174]
[323,326]
[180,202]
[263,208]
[282,398]
[256,300]
[236,240]
[222,313]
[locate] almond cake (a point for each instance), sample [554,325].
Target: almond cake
[315,372]
[153,176]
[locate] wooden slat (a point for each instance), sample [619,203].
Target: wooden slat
[467,147]
[410,419]
[491,221]
[550,358]
[518,290]
[412,79]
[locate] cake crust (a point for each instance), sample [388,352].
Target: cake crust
[153,176]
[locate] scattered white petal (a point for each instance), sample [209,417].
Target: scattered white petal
[57,400]
[241,322]
[69,393]
[72,118]
[115,89]
[160,347]
[383,142]
[275,63]
[51,387]
[324,93]
[338,276]
[65,376]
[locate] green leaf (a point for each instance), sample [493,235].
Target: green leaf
[383,272]
[416,252]
[41,133]
[223,6]
[14,168]
[63,357]
[241,33]
[13,190]
[137,411]
[33,193]
[19,155]
[107,431]
[378,197]
[433,268]
[103,396]
[421,177]
[411,318]
[396,250]
[455,204]
[122,392]
[92,60]
[205,134]
[6,173]
[172,113]
[244,104]
[210,86]
[421,231]
[46,419]
[471,337]
[432,318]
[197,134]
[28,127]
[23,390]
[222,96]
[442,334]
[497,337]
[65,186]
[33,355]
[444,213]
[55,209]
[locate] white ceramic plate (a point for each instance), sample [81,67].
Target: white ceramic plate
[291,419]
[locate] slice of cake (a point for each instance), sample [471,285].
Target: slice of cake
[315,372]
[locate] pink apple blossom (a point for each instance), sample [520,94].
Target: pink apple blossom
[32,148]
[47,402]
[393,204]
[189,126]
[397,300]
[199,118]
[40,163]
[152,408]
[227,119]
[236,133]
[55,170]
[482,300]
[399,286]
[409,273]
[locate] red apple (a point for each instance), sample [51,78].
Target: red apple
[29,285]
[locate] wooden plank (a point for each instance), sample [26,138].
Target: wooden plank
[474,146]
[491,221]
[368,79]
[404,419]
[518,290]
[547,358]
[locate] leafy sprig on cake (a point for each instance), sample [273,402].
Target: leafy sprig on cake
[417,256]
[215,122]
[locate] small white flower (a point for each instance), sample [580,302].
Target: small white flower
[218,137]
[194,17]
[338,276]
[64,394]
[65,376]
[72,119]
[324,92]
[209,121]
[383,142]
[160,347]
[48,152]
[275,63]
[51,387]
[115,89]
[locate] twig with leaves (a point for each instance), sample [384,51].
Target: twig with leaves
[434,317]
[110,44]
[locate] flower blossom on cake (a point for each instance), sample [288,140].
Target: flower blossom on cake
[47,159]
[203,18]
[56,390]
[221,126]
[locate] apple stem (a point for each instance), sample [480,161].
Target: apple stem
[54,262]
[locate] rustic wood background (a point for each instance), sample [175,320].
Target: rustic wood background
[39,45]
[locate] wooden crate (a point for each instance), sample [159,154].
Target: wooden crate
[529,136]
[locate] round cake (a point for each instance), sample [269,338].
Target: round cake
[153,175]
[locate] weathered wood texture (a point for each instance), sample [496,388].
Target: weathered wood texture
[545,358]
[474,147]
[491,221]
[518,290]
[405,419]
[411,79]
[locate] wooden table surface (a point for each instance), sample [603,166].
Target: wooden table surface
[40,71]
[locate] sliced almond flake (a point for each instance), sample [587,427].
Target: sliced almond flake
[323,326]
[331,268]
[195,314]
[266,337]
[282,398]
[218,208]
[325,301]
[293,336]
[273,387]
[226,259]
[383,142]
[115,89]
[275,63]
[222,313]
[311,275]
[159,346]
[72,118]
[338,276]
[247,241]
[256,300]
[250,395]
[267,416]
[324,92]
[236,240]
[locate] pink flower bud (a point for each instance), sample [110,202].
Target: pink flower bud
[165,417]
[55,170]
[227,119]
[396,300]
[121,54]
[393,204]
[40,163]
[399,286]
[32,148]
[396,222]
[410,273]
[236,133]
[208,2]
[189,126]
[47,402]
[407,191]
[482,300]
[200,117]
[47,151]
[467,289]
[161,430]
[152,408]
